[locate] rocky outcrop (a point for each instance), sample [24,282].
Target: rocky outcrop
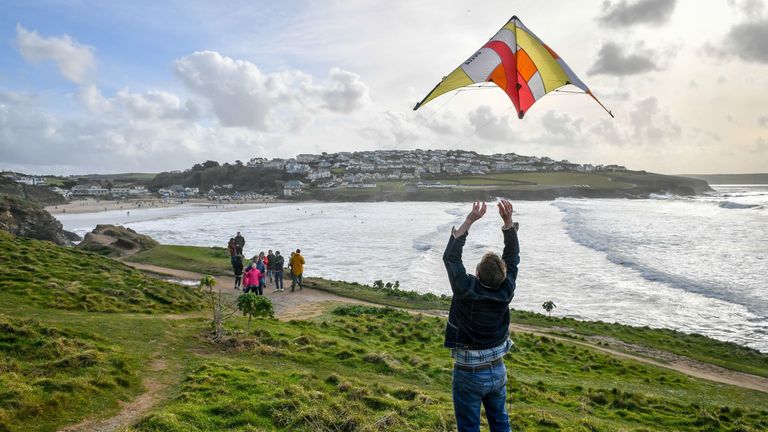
[115,240]
[27,219]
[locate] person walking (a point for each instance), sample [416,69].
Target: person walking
[237,266]
[240,241]
[297,270]
[262,268]
[270,264]
[277,269]
[477,331]
[232,249]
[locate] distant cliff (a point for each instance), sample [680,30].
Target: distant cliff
[28,219]
[36,194]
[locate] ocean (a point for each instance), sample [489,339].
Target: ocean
[691,264]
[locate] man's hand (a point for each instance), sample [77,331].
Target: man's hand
[478,211]
[505,211]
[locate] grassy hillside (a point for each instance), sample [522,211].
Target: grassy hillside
[46,371]
[43,274]
[365,369]
[214,260]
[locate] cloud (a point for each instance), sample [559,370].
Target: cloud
[621,14]
[560,128]
[149,131]
[750,8]
[240,94]
[760,146]
[76,62]
[652,125]
[489,126]
[762,121]
[611,60]
[747,41]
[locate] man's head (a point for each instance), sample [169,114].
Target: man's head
[491,270]
[238,233]
[298,251]
[277,252]
[269,252]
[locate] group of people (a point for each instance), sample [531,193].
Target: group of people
[264,268]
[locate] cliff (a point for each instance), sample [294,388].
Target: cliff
[28,219]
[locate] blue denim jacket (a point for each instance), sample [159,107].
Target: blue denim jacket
[479,315]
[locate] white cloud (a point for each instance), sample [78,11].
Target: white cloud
[240,94]
[489,126]
[652,125]
[76,62]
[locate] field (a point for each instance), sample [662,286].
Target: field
[537,180]
[213,260]
[345,368]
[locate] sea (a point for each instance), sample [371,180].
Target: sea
[695,264]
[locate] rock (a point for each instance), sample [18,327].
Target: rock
[73,237]
[115,240]
[27,219]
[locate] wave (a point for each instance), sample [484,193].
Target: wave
[594,238]
[738,206]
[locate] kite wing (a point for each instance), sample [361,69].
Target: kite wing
[519,63]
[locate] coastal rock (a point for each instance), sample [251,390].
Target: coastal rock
[28,219]
[115,240]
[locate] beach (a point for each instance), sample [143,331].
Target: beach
[95,205]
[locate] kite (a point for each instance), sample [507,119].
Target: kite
[519,63]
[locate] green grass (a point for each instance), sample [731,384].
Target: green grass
[725,354]
[46,371]
[363,369]
[210,260]
[537,180]
[383,296]
[43,274]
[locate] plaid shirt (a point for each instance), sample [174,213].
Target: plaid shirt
[476,357]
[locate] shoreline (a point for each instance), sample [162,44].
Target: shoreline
[92,205]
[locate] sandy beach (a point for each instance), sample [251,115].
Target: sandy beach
[93,205]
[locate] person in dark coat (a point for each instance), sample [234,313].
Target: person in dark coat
[239,241]
[477,330]
[277,270]
[237,266]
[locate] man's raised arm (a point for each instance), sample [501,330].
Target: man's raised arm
[511,254]
[457,274]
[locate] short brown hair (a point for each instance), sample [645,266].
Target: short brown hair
[491,270]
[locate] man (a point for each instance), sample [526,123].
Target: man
[297,270]
[270,264]
[478,324]
[278,271]
[239,241]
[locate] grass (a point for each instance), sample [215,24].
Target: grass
[45,371]
[725,354]
[538,180]
[210,260]
[43,274]
[355,368]
[364,369]
[384,296]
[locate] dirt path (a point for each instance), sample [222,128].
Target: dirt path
[131,411]
[300,304]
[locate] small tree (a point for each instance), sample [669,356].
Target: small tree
[220,311]
[254,305]
[548,306]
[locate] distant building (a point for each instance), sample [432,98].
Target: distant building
[292,188]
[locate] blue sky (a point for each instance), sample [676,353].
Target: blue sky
[148,86]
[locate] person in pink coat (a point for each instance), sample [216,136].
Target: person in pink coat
[251,280]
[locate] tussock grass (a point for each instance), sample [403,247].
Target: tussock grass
[43,274]
[46,371]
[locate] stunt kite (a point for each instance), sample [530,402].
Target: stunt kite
[519,63]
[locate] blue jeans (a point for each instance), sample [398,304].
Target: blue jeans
[488,387]
[278,275]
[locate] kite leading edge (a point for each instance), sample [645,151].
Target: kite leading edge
[519,63]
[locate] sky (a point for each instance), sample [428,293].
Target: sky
[140,86]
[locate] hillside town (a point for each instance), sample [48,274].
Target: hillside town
[365,169]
